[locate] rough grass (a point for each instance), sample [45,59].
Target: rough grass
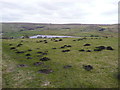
[105,64]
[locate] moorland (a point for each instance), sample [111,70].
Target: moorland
[88,61]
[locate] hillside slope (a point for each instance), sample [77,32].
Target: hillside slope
[17,30]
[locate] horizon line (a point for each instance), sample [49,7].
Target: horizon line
[54,23]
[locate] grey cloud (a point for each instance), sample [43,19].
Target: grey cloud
[111,12]
[55,10]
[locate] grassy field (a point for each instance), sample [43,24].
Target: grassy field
[104,63]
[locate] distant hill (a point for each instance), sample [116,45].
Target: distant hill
[19,29]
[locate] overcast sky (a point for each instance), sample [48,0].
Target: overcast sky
[60,11]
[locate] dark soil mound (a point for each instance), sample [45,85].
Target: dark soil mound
[41,41]
[46,71]
[68,46]
[97,49]
[29,50]
[88,67]
[10,44]
[88,51]
[39,55]
[45,42]
[101,47]
[60,39]
[37,48]
[19,52]
[87,44]
[67,66]
[62,47]
[79,39]
[65,46]
[109,48]
[44,53]
[37,63]
[19,45]
[22,65]
[82,50]
[39,52]
[12,48]
[65,50]
[29,58]
[45,59]
[54,48]
[56,40]
[28,55]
